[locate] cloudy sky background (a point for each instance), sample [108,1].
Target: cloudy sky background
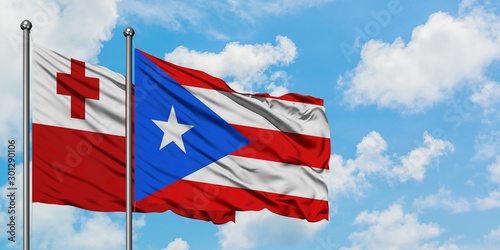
[411,91]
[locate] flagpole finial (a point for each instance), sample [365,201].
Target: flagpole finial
[26,24]
[128,32]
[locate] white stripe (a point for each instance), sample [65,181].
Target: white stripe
[106,115]
[274,177]
[267,113]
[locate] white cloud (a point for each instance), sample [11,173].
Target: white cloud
[65,227]
[69,27]
[490,202]
[493,236]
[466,5]
[494,169]
[351,176]
[66,26]
[279,83]
[345,178]
[177,244]
[254,229]
[443,200]
[413,164]
[488,97]
[394,229]
[489,241]
[245,64]
[493,199]
[369,152]
[443,55]
[139,222]
[487,146]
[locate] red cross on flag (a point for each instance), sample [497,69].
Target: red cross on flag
[78,87]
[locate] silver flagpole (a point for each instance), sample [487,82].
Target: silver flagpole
[26,27]
[129,33]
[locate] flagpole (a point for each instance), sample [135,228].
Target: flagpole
[129,33]
[26,27]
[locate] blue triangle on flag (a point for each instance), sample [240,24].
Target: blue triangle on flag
[209,139]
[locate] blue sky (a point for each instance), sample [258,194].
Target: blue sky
[411,91]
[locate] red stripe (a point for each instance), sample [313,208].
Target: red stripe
[217,217]
[307,99]
[195,78]
[278,146]
[87,170]
[78,168]
[209,197]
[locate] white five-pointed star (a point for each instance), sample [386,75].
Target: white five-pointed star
[172,131]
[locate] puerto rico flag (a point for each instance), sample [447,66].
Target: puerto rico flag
[201,146]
